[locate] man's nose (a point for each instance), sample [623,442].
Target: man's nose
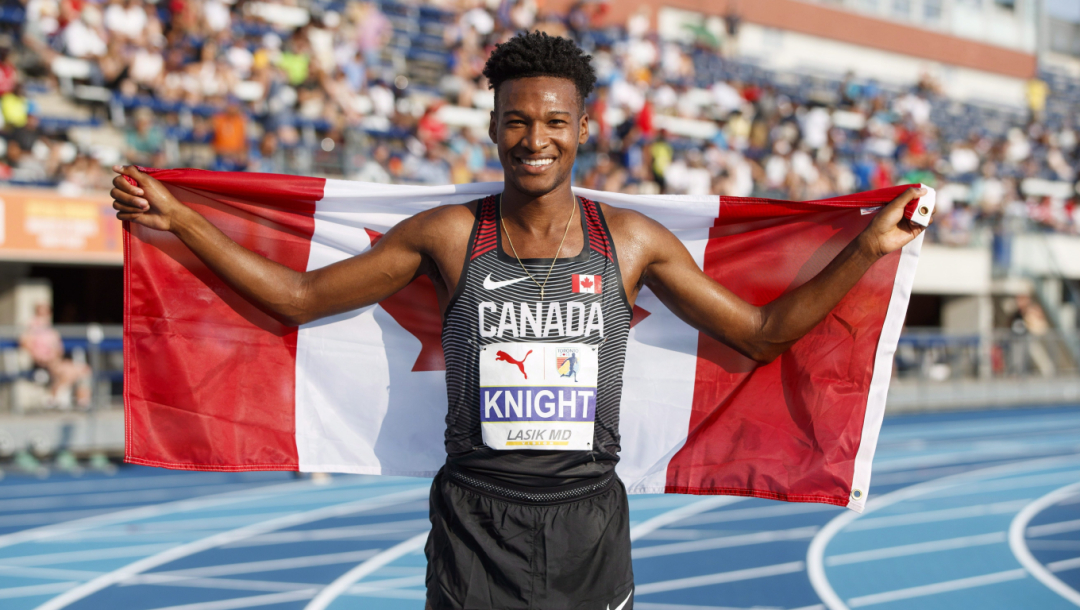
[536,138]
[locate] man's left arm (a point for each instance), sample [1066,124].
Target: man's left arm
[763,333]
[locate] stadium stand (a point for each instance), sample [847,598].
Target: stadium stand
[321,89]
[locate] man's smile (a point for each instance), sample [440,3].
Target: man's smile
[536,164]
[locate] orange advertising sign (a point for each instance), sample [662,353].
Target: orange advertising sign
[42,226]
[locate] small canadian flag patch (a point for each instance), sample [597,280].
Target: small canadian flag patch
[587,283]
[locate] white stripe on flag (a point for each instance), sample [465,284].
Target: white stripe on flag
[357,397]
[883,362]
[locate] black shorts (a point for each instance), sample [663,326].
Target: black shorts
[489,553]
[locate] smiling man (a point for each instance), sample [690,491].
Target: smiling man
[536,288]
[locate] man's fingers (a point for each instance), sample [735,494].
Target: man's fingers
[129,199]
[908,195]
[121,207]
[123,183]
[130,174]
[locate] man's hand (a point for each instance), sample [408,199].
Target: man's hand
[890,231]
[147,202]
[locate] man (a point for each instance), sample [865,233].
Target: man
[527,512]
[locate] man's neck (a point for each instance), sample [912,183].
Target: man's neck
[539,216]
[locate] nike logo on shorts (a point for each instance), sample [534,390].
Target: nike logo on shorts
[490,285]
[620,606]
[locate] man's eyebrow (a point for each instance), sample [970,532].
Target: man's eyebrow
[522,113]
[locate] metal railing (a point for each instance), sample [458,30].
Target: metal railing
[27,388]
[928,354]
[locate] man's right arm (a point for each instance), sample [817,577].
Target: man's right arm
[290,296]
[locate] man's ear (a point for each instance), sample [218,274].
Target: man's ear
[583,135]
[492,131]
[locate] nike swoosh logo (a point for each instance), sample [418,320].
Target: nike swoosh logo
[620,606]
[490,285]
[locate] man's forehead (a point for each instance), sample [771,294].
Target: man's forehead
[546,90]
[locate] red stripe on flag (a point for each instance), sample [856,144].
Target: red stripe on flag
[788,430]
[209,380]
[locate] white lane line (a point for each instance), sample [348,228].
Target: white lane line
[933,516]
[1043,480]
[918,548]
[138,567]
[247,602]
[939,587]
[656,606]
[269,565]
[232,584]
[1064,564]
[989,453]
[172,481]
[673,516]
[111,498]
[336,533]
[723,577]
[1049,529]
[413,594]
[759,512]
[815,554]
[1053,545]
[173,526]
[388,583]
[960,429]
[346,580]
[723,542]
[34,590]
[29,519]
[144,512]
[46,559]
[1023,554]
[50,573]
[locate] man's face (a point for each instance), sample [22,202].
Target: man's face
[538,124]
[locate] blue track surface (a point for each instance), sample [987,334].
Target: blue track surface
[975,510]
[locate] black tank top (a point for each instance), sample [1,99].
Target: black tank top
[534,385]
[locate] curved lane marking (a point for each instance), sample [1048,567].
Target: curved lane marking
[815,555]
[706,580]
[1023,554]
[138,567]
[938,587]
[346,580]
[677,514]
[144,512]
[248,602]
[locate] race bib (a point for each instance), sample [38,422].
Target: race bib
[538,395]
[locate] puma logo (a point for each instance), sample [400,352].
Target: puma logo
[501,356]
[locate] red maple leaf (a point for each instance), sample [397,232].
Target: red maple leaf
[586,282]
[416,308]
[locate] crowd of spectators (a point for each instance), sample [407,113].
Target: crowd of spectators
[390,92]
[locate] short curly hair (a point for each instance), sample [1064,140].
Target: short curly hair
[537,54]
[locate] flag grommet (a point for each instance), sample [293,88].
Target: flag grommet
[856,493]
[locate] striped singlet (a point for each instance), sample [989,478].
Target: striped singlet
[534,385]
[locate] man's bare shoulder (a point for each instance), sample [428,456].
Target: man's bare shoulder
[630,224]
[440,227]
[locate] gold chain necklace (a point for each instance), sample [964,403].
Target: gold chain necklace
[514,250]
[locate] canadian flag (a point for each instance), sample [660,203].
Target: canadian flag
[587,283]
[213,383]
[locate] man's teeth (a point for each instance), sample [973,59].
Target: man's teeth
[538,162]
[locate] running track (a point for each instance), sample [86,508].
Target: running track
[976,510]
